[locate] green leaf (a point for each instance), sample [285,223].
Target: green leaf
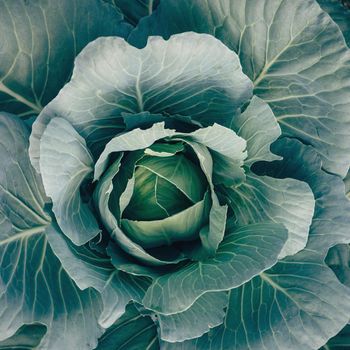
[332,208]
[90,269]
[164,187]
[152,197]
[286,201]
[207,312]
[258,126]
[34,286]
[132,331]
[340,15]
[213,234]
[262,198]
[298,304]
[65,163]
[188,75]
[40,40]
[242,254]
[85,266]
[179,171]
[28,337]
[183,226]
[122,262]
[134,10]
[292,51]
[120,289]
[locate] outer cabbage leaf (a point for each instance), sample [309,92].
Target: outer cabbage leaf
[39,41]
[207,312]
[91,269]
[340,15]
[65,163]
[298,304]
[34,288]
[28,337]
[332,208]
[258,126]
[120,289]
[286,201]
[260,198]
[189,75]
[338,259]
[242,254]
[132,331]
[292,51]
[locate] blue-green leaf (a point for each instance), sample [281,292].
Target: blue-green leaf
[298,304]
[189,75]
[260,198]
[120,289]
[338,259]
[332,208]
[212,234]
[90,269]
[34,287]
[65,162]
[132,331]
[207,312]
[242,254]
[85,266]
[292,51]
[340,15]
[28,337]
[286,201]
[40,40]
[258,126]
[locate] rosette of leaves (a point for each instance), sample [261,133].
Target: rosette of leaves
[177,197]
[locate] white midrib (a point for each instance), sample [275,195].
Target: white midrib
[23,235]
[276,286]
[139,96]
[150,7]
[270,64]
[19,98]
